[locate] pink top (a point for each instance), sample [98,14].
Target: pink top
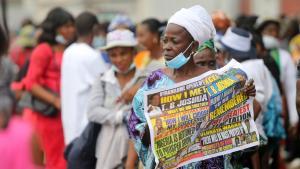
[15,145]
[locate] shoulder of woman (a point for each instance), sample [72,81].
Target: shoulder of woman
[42,48]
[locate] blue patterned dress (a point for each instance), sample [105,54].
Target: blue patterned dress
[137,123]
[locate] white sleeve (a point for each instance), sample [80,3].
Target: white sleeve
[289,80]
[93,67]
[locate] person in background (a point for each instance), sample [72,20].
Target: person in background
[104,107]
[17,140]
[268,95]
[269,30]
[121,22]
[19,144]
[43,75]
[149,34]
[206,55]
[21,51]
[84,61]
[221,23]
[291,31]
[100,40]
[294,47]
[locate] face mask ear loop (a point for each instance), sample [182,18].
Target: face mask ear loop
[188,47]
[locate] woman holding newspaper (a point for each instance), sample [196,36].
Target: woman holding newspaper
[105,107]
[186,30]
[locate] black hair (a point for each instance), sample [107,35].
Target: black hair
[154,26]
[56,18]
[266,23]
[4,32]
[85,23]
[26,22]
[292,29]
[246,22]
[104,26]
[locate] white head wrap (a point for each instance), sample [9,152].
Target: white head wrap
[196,21]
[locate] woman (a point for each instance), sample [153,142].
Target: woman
[149,32]
[105,107]
[43,82]
[185,30]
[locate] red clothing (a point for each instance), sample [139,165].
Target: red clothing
[44,69]
[19,55]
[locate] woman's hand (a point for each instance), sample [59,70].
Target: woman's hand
[56,102]
[249,88]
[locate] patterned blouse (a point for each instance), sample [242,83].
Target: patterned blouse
[137,123]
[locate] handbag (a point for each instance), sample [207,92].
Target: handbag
[80,153]
[37,105]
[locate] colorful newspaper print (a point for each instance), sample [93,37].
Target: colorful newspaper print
[201,118]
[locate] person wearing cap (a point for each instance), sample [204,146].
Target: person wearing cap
[186,30]
[121,21]
[84,61]
[21,50]
[105,107]
[237,44]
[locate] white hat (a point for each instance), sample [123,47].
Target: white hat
[196,21]
[237,41]
[120,38]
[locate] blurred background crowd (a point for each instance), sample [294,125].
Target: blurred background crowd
[56,54]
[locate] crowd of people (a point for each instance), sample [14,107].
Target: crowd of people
[72,88]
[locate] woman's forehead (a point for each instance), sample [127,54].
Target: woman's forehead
[175,30]
[120,49]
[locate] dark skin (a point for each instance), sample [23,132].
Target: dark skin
[149,40]
[122,57]
[176,40]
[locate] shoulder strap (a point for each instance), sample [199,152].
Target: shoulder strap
[103,87]
[275,54]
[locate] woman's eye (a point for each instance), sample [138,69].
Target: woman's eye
[212,63]
[201,63]
[164,40]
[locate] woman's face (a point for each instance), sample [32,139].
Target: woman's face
[121,57]
[205,58]
[155,100]
[67,31]
[176,40]
[271,30]
[146,38]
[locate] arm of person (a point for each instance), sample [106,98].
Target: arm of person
[298,96]
[256,108]
[132,156]
[96,110]
[251,92]
[128,95]
[39,63]
[289,85]
[41,93]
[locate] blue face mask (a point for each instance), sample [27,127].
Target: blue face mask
[98,41]
[60,39]
[179,60]
[115,69]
